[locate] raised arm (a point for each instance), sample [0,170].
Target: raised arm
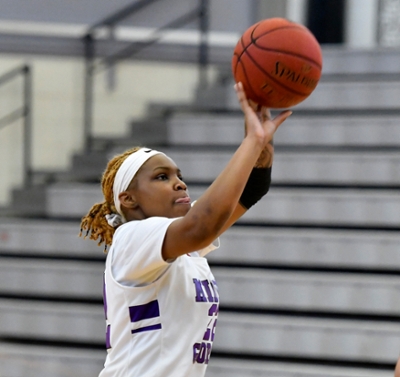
[218,206]
[262,166]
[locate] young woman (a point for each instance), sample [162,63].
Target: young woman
[160,297]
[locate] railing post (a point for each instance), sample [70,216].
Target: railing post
[27,153]
[203,46]
[88,92]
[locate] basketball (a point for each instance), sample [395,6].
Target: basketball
[278,61]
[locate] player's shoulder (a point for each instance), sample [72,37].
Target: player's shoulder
[142,225]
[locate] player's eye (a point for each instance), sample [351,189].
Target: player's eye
[162,177]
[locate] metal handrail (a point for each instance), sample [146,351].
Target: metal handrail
[121,14]
[136,47]
[89,40]
[25,112]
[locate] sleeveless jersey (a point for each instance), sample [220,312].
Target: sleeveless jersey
[160,316]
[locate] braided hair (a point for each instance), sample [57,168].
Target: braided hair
[94,223]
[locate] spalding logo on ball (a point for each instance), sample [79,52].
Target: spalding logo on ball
[278,61]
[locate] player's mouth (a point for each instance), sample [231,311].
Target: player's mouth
[185,200]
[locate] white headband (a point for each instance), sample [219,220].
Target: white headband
[123,178]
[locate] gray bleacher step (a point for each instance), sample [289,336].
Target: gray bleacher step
[302,167]
[240,245]
[309,248]
[45,237]
[54,278]
[309,290]
[31,360]
[34,201]
[351,207]
[327,95]
[342,60]
[354,95]
[29,201]
[245,288]
[241,368]
[328,207]
[19,360]
[151,131]
[54,321]
[298,130]
[89,166]
[350,340]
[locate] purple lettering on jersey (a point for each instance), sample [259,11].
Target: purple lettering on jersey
[108,334]
[214,287]
[202,354]
[210,332]
[196,349]
[200,296]
[202,351]
[214,310]
[147,328]
[206,291]
[206,285]
[145,311]
[209,346]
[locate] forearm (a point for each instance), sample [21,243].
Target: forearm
[249,195]
[247,181]
[266,156]
[218,203]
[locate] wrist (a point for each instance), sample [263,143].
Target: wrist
[256,140]
[256,187]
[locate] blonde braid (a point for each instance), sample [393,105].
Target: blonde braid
[94,223]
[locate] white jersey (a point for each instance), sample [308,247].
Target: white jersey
[160,316]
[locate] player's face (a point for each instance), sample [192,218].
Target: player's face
[159,189]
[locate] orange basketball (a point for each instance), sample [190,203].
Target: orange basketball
[278,61]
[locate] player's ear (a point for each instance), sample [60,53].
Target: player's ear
[127,199]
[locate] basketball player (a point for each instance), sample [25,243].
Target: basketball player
[160,297]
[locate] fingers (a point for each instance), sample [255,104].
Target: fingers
[262,111]
[247,105]
[280,118]
[244,104]
[254,105]
[265,114]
